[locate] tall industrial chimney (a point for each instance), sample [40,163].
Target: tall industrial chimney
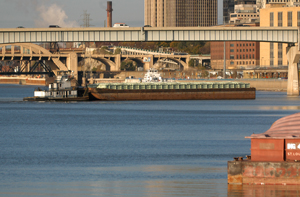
[109,14]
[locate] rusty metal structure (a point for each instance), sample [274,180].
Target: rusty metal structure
[109,13]
[275,156]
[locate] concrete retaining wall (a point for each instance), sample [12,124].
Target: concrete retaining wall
[22,81]
[267,84]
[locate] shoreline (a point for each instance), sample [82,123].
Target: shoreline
[273,85]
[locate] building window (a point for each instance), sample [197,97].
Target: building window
[271,19]
[231,63]
[253,57]
[271,54]
[231,45]
[298,18]
[237,50]
[279,19]
[290,19]
[250,50]
[231,57]
[237,56]
[279,54]
[231,50]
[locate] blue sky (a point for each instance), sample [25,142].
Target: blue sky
[69,13]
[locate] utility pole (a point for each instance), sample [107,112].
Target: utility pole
[86,19]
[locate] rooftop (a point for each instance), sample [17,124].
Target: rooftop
[285,128]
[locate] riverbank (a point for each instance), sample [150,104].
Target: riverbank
[277,85]
[23,81]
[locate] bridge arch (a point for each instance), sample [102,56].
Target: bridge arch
[109,65]
[55,64]
[183,65]
[139,61]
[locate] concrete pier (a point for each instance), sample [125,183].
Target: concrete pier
[293,80]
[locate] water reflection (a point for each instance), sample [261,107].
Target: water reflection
[279,108]
[263,190]
[157,188]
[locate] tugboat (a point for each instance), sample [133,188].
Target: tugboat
[60,90]
[152,75]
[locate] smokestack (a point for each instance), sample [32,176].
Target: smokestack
[109,14]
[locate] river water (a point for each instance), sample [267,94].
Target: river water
[131,148]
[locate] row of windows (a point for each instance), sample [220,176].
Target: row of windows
[241,15]
[244,50]
[232,45]
[242,57]
[289,19]
[243,63]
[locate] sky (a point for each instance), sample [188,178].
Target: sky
[69,13]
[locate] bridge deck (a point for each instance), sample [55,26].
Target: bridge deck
[263,34]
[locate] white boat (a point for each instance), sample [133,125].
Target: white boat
[152,75]
[61,89]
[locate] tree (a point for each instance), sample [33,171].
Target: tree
[191,63]
[128,66]
[118,51]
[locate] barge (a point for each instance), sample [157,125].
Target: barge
[275,156]
[171,91]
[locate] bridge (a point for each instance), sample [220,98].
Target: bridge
[148,34]
[288,35]
[25,52]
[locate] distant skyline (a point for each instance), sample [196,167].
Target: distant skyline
[69,13]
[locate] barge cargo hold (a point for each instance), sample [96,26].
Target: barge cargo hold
[172,91]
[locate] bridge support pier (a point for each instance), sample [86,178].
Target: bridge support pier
[148,65]
[186,67]
[118,62]
[72,64]
[293,56]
